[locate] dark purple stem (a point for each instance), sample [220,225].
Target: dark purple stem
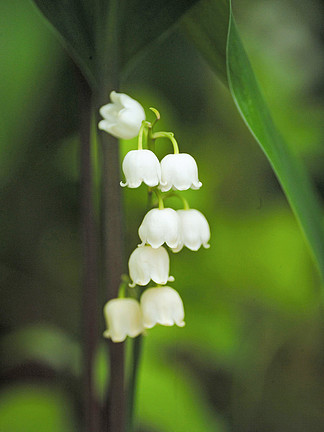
[90,264]
[111,212]
[113,265]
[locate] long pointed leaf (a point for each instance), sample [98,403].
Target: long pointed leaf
[205,25]
[144,21]
[99,34]
[72,22]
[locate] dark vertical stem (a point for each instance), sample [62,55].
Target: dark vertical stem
[90,265]
[113,269]
[131,397]
[111,209]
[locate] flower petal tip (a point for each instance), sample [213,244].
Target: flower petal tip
[106,334]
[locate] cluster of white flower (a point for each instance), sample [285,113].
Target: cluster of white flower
[127,316]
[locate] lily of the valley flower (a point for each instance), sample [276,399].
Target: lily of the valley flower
[123,117]
[160,226]
[146,263]
[123,318]
[141,166]
[162,305]
[179,172]
[194,230]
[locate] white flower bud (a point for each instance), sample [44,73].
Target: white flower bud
[123,117]
[160,226]
[141,166]
[179,172]
[162,305]
[124,318]
[146,263]
[194,230]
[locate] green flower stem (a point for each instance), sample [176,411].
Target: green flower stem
[184,201]
[157,115]
[122,289]
[170,136]
[185,204]
[150,140]
[143,131]
[159,197]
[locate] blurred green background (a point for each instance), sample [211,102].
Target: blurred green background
[251,357]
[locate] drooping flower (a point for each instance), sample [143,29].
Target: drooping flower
[123,318]
[123,117]
[162,305]
[141,166]
[194,230]
[179,172]
[160,226]
[146,263]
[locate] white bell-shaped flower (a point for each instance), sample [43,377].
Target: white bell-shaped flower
[162,305]
[141,166]
[123,318]
[123,117]
[146,263]
[194,230]
[179,171]
[160,226]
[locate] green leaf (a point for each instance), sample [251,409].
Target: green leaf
[144,21]
[29,407]
[169,398]
[73,23]
[102,35]
[206,24]
[47,345]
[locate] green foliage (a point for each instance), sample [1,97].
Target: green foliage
[89,29]
[42,344]
[85,26]
[290,171]
[252,346]
[230,54]
[143,22]
[74,25]
[207,26]
[27,408]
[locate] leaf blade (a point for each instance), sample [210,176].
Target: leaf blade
[143,22]
[72,25]
[287,166]
[252,107]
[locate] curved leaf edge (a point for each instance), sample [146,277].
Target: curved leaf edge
[314,238]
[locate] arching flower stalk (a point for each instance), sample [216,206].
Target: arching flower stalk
[140,305]
[149,262]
